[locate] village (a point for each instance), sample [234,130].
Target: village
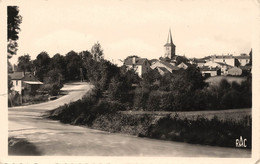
[110,86]
[213,65]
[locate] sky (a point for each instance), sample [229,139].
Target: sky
[136,27]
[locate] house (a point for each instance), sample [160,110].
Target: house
[164,64]
[139,65]
[235,71]
[227,59]
[243,59]
[183,65]
[162,70]
[210,71]
[223,66]
[24,82]
[198,62]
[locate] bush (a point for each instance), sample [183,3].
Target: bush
[202,131]
[141,96]
[153,102]
[14,99]
[34,99]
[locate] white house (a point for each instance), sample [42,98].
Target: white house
[223,66]
[139,65]
[243,59]
[24,81]
[227,59]
[210,71]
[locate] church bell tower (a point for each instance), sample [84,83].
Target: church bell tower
[169,47]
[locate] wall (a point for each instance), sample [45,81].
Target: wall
[17,86]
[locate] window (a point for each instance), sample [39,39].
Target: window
[16,82]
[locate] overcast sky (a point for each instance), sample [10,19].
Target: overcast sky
[136,27]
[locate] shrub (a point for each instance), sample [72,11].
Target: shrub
[202,131]
[153,102]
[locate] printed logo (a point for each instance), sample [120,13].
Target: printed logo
[241,142]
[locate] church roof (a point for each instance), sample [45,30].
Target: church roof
[169,40]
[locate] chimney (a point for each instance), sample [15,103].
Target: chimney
[133,60]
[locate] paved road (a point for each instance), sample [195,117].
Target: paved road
[54,139]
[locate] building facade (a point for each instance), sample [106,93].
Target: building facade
[139,65]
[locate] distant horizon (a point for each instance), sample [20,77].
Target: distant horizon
[125,28]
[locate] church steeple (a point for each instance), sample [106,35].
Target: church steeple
[169,39]
[169,47]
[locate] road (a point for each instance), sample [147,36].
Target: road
[53,138]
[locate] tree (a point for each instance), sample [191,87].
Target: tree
[13,28]
[73,65]
[24,63]
[41,65]
[97,52]
[58,63]
[52,82]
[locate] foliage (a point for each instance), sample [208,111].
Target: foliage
[13,27]
[34,99]
[97,52]
[10,84]
[202,131]
[73,66]
[25,63]
[42,65]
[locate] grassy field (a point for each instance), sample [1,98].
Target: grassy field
[234,114]
[216,79]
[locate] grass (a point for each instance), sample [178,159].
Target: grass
[216,79]
[234,114]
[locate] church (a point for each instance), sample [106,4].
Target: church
[169,47]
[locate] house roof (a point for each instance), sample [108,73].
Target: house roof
[242,57]
[163,69]
[200,61]
[33,82]
[223,57]
[153,60]
[172,67]
[138,61]
[28,78]
[223,64]
[206,68]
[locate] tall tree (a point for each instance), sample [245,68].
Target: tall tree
[41,65]
[73,65]
[24,63]
[97,52]
[13,28]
